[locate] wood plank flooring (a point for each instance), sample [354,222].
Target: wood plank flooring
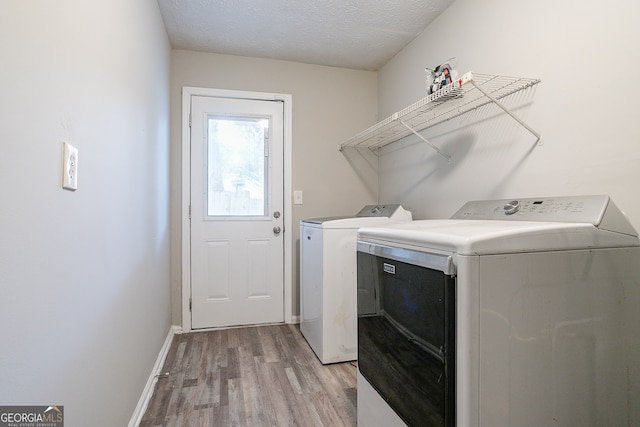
[254,376]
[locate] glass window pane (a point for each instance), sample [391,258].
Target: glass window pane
[236,166]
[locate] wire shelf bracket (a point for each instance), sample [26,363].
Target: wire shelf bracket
[471,91]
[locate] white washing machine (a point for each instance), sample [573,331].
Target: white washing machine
[511,313]
[328,279]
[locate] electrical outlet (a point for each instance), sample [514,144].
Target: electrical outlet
[69,167]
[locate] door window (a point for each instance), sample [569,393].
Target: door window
[237,151]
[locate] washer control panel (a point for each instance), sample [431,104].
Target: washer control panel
[384,211]
[589,209]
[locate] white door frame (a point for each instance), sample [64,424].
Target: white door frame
[187,93]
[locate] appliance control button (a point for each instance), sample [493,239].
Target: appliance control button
[512,207]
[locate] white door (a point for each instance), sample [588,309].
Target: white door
[237,252]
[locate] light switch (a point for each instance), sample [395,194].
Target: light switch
[297,197]
[69,167]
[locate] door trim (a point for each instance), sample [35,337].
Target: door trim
[187,93]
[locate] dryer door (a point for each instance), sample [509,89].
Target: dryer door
[406,338]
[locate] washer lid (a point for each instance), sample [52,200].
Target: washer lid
[323,220]
[521,225]
[483,237]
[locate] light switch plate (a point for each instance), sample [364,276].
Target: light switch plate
[297,197]
[69,167]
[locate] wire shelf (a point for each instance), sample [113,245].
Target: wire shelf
[471,91]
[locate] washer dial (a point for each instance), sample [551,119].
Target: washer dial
[512,207]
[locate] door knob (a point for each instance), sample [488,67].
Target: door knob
[276,230]
[276,214]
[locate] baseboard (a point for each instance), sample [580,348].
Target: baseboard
[295,319]
[147,392]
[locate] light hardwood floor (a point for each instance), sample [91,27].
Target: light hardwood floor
[255,376]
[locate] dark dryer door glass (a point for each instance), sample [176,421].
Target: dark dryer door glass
[406,338]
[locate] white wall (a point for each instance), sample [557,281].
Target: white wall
[84,276]
[586,55]
[329,105]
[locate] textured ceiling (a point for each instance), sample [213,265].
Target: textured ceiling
[360,34]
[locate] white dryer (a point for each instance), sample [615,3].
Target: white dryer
[511,313]
[328,279]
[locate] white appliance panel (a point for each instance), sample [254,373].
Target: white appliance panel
[312,258]
[372,409]
[328,279]
[552,337]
